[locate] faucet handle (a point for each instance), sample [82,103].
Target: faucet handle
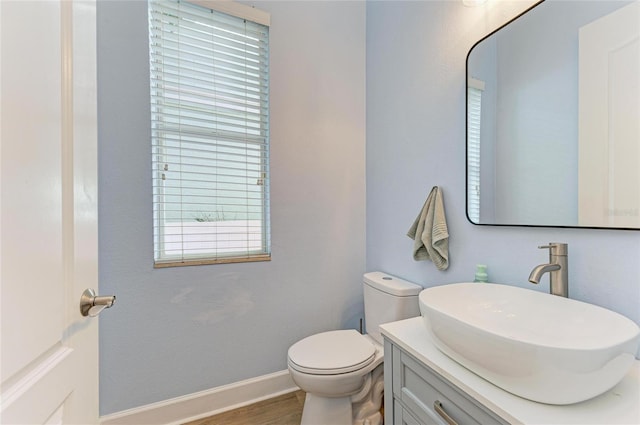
[556,248]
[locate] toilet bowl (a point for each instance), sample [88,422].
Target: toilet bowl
[337,369]
[342,371]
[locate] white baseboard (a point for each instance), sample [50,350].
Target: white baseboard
[205,403]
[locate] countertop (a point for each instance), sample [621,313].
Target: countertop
[619,405]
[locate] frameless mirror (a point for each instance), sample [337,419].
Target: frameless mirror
[553,118]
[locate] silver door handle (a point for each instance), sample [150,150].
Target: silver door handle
[91,305]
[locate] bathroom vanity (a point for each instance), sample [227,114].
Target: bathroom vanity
[424,386]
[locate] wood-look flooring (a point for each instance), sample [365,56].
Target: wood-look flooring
[283,410]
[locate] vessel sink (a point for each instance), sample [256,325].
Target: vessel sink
[538,346]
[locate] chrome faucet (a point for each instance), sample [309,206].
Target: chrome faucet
[557,269]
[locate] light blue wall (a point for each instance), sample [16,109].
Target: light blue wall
[177,331]
[415,139]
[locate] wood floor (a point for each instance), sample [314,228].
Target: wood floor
[283,410]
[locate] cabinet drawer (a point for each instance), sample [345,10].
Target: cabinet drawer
[401,416]
[418,388]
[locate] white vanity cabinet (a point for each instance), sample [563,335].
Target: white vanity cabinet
[424,387]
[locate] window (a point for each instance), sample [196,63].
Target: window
[210,133]
[474,103]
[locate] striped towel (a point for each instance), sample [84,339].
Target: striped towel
[429,232]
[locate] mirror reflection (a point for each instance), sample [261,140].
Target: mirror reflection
[553,118]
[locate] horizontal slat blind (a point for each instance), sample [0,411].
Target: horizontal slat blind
[210,135]
[474,109]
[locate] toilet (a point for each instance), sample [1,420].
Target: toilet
[341,371]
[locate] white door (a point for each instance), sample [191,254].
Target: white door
[48,211]
[609,128]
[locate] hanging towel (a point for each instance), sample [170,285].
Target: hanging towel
[429,232]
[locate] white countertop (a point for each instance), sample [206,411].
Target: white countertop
[619,405]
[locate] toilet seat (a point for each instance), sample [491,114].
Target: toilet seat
[332,353]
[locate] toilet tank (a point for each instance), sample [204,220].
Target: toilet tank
[388,299]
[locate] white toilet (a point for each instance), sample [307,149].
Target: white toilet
[341,371]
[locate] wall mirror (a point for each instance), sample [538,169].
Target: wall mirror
[553,118]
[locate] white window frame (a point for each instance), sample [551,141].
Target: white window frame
[474,118]
[192,134]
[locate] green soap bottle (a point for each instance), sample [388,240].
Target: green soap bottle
[481,273]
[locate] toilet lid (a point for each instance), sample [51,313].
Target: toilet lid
[331,353]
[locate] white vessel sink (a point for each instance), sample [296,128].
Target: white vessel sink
[538,346]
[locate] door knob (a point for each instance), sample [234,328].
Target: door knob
[91,304]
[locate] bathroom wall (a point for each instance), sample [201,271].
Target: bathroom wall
[416,55]
[181,330]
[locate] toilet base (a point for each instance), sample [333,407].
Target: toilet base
[366,407]
[325,410]
[357,409]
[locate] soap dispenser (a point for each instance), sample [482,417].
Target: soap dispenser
[481,273]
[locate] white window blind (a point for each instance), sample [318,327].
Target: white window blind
[474,109]
[210,135]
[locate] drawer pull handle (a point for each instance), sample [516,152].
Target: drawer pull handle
[440,411]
